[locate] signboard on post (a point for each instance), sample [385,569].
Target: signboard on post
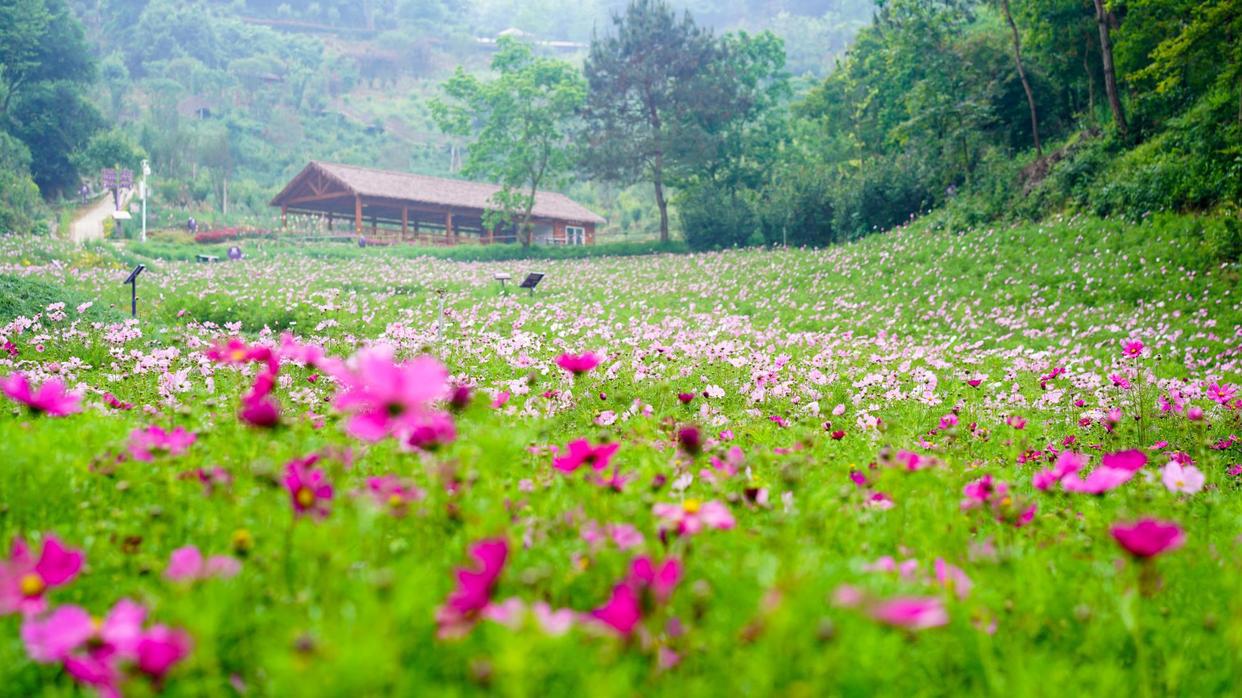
[532,280]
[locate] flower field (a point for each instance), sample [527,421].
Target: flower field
[1004,461]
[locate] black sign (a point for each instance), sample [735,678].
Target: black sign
[531,281]
[132,280]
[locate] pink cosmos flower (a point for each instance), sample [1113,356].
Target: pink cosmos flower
[473,594]
[1068,463]
[981,491]
[393,493]
[685,398]
[145,444]
[905,568]
[1102,479]
[578,364]
[386,398]
[188,564]
[1132,349]
[94,653]
[1016,421]
[434,430]
[1182,478]
[50,399]
[1148,537]
[952,578]
[1132,460]
[693,516]
[912,613]
[647,585]
[160,648]
[308,487]
[580,452]
[25,581]
[621,612]
[1221,393]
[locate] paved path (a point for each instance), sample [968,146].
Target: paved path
[89,224]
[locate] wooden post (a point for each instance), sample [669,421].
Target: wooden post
[357,215]
[448,228]
[374,226]
[329,221]
[284,217]
[405,221]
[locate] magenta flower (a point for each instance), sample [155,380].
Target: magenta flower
[659,580]
[1132,460]
[621,612]
[145,444]
[1132,349]
[693,516]
[25,581]
[911,613]
[1099,481]
[308,487]
[429,432]
[578,364]
[580,452]
[1148,537]
[1068,463]
[50,399]
[685,398]
[188,564]
[466,603]
[387,398]
[160,648]
[92,652]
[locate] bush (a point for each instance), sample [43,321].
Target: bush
[713,218]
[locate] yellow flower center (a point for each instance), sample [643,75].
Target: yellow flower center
[238,354]
[395,501]
[692,506]
[32,585]
[305,497]
[1006,501]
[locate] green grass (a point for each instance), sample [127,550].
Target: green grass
[888,327]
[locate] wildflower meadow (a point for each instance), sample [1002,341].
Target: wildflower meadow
[1003,462]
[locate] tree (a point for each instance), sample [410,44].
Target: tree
[658,92]
[44,65]
[521,122]
[1026,84]
[1103,18]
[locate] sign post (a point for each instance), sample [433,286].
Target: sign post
[132,280]
[532,280]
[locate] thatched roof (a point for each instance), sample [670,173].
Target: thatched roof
[437,191]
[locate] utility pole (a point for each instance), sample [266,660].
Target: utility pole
[142,189]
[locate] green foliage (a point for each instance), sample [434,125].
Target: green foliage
[29,295]
[21,207]
[521,123]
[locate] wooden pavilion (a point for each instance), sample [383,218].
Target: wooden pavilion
[387,206]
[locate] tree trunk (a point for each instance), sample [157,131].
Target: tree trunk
[661,202]
[1026,85]
[1110,75]
[224,195]
[1086,66]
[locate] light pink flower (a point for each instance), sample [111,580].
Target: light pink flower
[188,564]
[953,578]
[1182,478]
[387,398]
[912,613]
[693,516]
[145,444]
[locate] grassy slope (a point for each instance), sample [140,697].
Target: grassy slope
[360,589]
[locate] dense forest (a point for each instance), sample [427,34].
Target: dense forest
[806,121]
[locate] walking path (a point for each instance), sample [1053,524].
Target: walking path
[89,225]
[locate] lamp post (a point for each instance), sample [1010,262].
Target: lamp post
[142,189]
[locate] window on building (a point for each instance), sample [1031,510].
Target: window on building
[575,235]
